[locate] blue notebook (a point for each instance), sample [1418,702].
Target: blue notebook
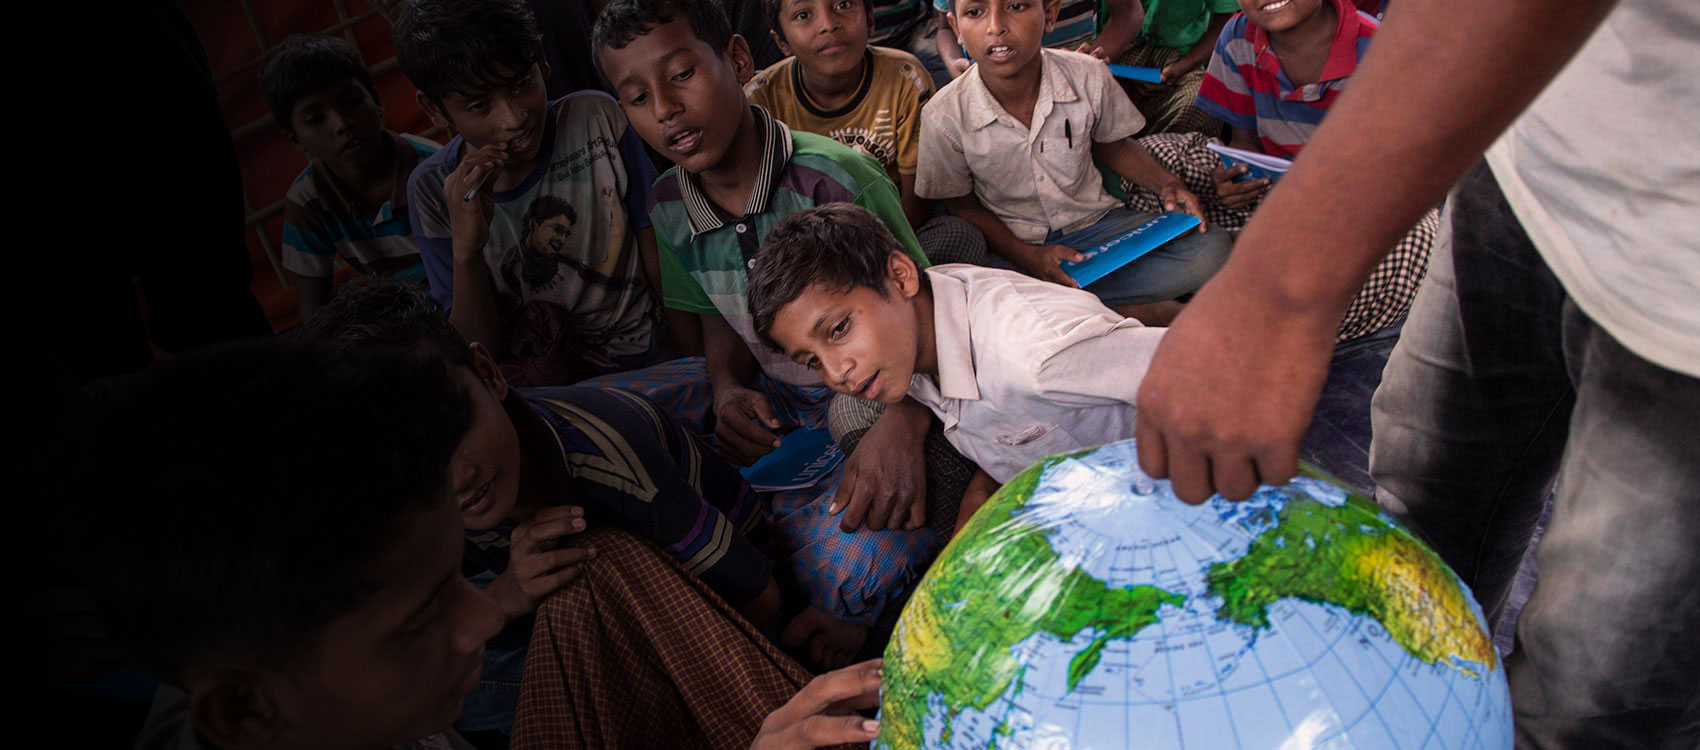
[1132,73]
[1258,166]
[1128,247]
[802,459]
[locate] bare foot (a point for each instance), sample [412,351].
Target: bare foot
[1155,314]
[829,642]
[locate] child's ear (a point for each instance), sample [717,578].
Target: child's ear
[779,40]
[543,63]
[739,55]
[903,272]
[485,365]
[234,708]
[295,140]
[438,117]
[1053,8]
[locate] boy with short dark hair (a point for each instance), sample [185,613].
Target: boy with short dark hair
[675,67]
[868,98]
[584,304]
[298,587]
[540,464]
[1011,146]
[351,200]
[1017,368]
[1074,25]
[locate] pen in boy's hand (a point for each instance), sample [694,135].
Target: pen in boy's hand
[479,185]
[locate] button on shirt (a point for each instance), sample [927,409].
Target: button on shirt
[1028,368]
[1035,179]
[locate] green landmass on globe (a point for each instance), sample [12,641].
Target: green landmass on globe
[999,582]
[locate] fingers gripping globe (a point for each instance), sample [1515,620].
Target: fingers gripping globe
[1085,606]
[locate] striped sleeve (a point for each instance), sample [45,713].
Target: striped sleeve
[1225,93]
[307,251]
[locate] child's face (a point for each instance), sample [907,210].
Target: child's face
[1279,15]
[681,95]
[484,471]
[829,37]
[514,113]
[862,344]
[341,126]
[394,669]
[1003,36]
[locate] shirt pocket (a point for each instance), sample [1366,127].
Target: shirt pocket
[1062,164]
[1033,442]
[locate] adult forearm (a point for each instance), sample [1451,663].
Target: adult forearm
[1118,34]
[474,310]
[1436,101]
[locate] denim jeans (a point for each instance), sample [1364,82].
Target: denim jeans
[1500,386]
[1178,267]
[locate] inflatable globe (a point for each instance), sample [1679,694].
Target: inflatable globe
[1085,606]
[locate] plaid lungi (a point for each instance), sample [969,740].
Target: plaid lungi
[639,653]
[1384,298]
[1175,110]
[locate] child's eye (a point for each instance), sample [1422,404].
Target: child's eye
[813,363]
[477,107]
[973,12]
[801,16]
[638,100]
[843,325]
[684,74]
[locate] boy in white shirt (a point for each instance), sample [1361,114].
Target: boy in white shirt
[1015,367]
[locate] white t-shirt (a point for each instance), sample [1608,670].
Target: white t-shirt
[1603,171]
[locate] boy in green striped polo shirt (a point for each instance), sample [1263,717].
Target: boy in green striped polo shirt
[856,545]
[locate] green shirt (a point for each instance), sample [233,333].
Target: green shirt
[705,252]
[1179,24]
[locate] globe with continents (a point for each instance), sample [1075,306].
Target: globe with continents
[1085,606]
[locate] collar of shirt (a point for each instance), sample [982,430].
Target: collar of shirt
[850,105]
[345,202]
[1054,88]
[775,140]
[1342,53]
[950,338]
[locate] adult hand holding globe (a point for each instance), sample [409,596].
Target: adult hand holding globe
[1085,606]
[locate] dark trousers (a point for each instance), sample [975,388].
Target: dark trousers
[1500,386]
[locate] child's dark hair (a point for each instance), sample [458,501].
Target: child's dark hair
[624,20]
[388,315]
[466,46]
[238,503]
[306,64]
[773,8]
[840,246]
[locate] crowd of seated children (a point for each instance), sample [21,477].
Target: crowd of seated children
[1271,79]
[351,200]
[676,69]
[1018,367]
[326,608]
[1176,37]
[531,219]
[1101,28]
[868,98]
[1010,146]
[539,464]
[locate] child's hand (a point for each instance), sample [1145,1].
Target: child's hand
[736,413]
[1090,47]
[823,713]
[1176,197]
[1046,261]
[538,564]
[959,66]
[1238,194]
[469,220]
[884,483]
